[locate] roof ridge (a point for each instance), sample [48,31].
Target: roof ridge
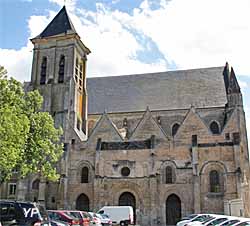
[155,73]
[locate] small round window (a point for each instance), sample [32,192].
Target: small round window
[125,171]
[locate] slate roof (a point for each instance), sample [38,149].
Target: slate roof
[61,24]
[159,91]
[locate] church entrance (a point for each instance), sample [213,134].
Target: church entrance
[173,209]
[128,199]
[82,202]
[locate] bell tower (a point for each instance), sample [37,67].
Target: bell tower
[59,73]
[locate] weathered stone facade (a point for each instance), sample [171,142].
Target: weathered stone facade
[169,144]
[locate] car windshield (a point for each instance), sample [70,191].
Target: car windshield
[104,215]
[244,224]
[217,221]
[189,217]
[88,215]
[229,223]
[207,220]
[74,214]
[201,218]
[68,214]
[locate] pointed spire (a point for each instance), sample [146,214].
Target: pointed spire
[233,83]
[226,74]
[59,25]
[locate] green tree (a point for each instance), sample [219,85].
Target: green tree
[14,124]
[28,139]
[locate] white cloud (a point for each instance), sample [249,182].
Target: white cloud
[113,47]
[37,24]
[191,33]
[17,62]
[199,33]
[70,4]
[115,1]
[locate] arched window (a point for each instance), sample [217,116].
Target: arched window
[169,175]
[214,127]
[61,69]
[35,184]
[43,71]
[175,127]
[85,175]
[214,181]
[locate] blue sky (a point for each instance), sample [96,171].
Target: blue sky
[136,36]
[15,14]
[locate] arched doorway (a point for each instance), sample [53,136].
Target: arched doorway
[173,209]
[82,202]
[128,199]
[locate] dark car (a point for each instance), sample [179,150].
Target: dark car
[20,213]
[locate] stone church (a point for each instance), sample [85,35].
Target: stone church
[166,143]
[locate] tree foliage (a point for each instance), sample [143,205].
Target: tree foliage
[29,141]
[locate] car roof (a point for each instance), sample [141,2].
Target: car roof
[16,201]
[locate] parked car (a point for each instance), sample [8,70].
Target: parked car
[96,219]
[87,217]
[200,219]
[243,223]
[220,220]
[122,215]
[60,215]
[237,221]
[230,220]
[90,217]
[190,218]
[84,221]
[20,213]
[105,219]
[215,220]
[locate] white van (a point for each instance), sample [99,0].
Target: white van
[122,215]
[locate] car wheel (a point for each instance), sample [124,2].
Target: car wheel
[122,223]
